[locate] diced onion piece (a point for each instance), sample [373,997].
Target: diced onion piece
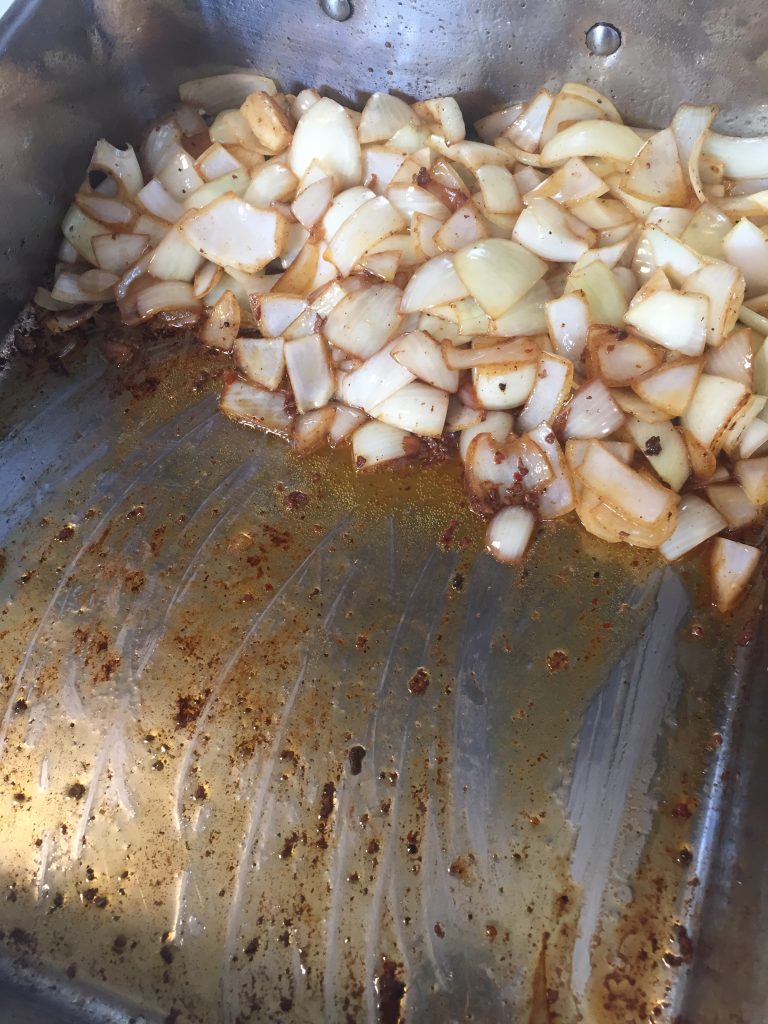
[220,92]
[423,356]
[120,164]
[383,265]
[222,324]
[346,421]
[262,360]
[723,286]
[177,174]
[380,167]
[590,413]
[436,282]
[670,388]
[499,190]
[256,407]
[548,230]
[509,534]
[697,521]
[734,358]
[592,138]
[463,227]
[620,358]
[460,417]
[525,131]
[417,407]
[576,448]
[754,439]
[310,205]
[365,319]
[379,377]
[568,108]
[690,126]
[216,161]
[274,313]
[672,219]
[469,318]
[492,125]
[568,325]
[231,232]
[733,504]
[497,273]
[706,232]
[752,474]
[273,183]
[382,116]
[410,199]
[714,404]
[558,497]
[325,133]
[554,378]
[498,425]
[489,352]
[655,173]
[269,123]
[311,429]
[110,212]
[370,223]
[676,321]
[79,230]
[732,566]
[501,473]
[116,253]
[235,182]
[165,297]
[74,288]
[175,259]
[504,386]
[158,201]
[601,289]
[746,247]
[311,377]
[375,443]
[741,158]
[663,446]
[527,315]
[669,254]
[627,492]
[599,519]
[570,184]
[443,114]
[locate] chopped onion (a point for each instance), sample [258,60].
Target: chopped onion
[375,443]
[311,377]
[714,404]
[311,429]
[382,116]
[752,474]
[671,387]
[568,324]
[465,226]
[233,233]
[627,492]
[591,413]
[554,379]
[754,439]
[417,407]
[235,182]
[678,322]
[504,386]
[669,254]
[732,566]
[498,425]
[490,352]
[697,521]
[273,183]
[741,158]
[655,173]
[733,504]
[165,297]
[175,259]
[706,232]
[110,212]
[262,360]
[664,447]
[509,534]
[499,190]
[501,473]
[310,205]
[690,126]
[723,287]
[548,230]
[383,265]
[734,358]
[116,253]
[423,356]
[370,223]
[497,273]
[215,162]
[365,319]
[461,417]
[271,126]
[325,134]
[220,92]
[379,377]
[222,324]
[444,116]
[436,282]
[527,316]
[410,199]
[619,358]
[177,173]
[592,138]
[490,127]
[558,497]
[746,247]
[120,164]
[158,201]
[601,289]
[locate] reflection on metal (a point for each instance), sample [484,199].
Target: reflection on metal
[339,10]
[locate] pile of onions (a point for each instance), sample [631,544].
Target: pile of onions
[577,307]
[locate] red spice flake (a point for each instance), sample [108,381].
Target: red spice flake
[419,681]
[557,661]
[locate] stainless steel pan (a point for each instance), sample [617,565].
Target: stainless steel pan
[268,758]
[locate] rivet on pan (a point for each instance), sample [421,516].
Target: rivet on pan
[603,39]
[339,10]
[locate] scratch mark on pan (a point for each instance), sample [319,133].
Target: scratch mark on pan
[233,659]
[382,880]
[394,645]
[341,848]
[236,477]
[352,575]
[67,574]
[90,796]
[252,834]
[436,899]
[42,872]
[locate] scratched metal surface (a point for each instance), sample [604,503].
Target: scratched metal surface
[191,670]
